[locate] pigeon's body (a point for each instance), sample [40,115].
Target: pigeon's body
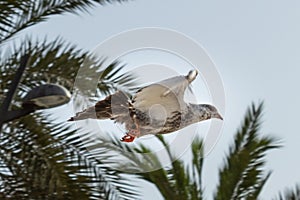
[155,109]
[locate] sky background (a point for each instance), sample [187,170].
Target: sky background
[255,46]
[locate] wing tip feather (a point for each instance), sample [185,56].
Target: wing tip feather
[192,75]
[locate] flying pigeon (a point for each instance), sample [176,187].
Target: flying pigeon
[158,108]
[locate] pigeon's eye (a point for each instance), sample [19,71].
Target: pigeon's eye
[133,126]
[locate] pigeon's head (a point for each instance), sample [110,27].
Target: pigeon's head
[211,112]
[206,111]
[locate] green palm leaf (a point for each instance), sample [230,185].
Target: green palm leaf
[18,15]
[176,182]
[242,175]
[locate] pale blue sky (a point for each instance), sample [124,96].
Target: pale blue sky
[255,45]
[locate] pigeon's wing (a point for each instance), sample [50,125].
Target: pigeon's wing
[168,93]
[115,107]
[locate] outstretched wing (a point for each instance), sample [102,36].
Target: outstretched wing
[168,94]
[115,106]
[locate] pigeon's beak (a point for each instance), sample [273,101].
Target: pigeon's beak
[218,116]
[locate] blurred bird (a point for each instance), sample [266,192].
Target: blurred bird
[158,108]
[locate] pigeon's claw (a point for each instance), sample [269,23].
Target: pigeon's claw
[127,138]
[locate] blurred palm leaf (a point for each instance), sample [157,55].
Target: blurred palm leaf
[49,161]
[44,159]
[58,62]
[18,15]
[290,194]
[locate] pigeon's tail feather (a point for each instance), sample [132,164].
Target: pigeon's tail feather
[88,113]
[109,108]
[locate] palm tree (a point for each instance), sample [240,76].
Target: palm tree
[41,158]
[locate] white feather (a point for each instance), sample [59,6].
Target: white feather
[168,93]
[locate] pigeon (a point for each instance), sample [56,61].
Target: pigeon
[158,108]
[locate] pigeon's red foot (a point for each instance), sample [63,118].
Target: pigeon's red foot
[131,134]
[127,138]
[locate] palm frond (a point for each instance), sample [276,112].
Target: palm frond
[184,180]
[242,175]
[59,62]
[197,160]
[175,182]
[18,15]
[290,194]
[49,161]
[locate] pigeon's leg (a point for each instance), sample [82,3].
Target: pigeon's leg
[130,135]
[135,128]
[133,132]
